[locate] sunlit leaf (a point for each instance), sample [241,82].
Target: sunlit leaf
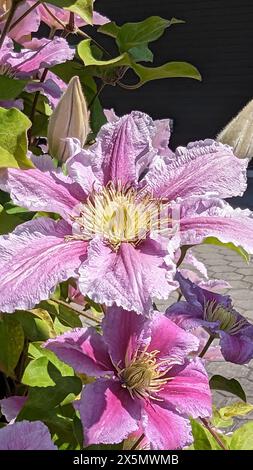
[13,139]
[11,343]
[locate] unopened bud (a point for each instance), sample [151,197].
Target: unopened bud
[239,133]
[70,119]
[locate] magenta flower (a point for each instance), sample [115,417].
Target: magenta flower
[144,379]
[117,202]
[25,435]
[215,313]
[28,63]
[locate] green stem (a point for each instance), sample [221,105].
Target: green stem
[7,25]
[77,312]
[137,443]
[208,344]
[214,433]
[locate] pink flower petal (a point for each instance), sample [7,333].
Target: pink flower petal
[123,149]
[201,167]
[165,429]
[84,350]
[10,407]
[211,217]
[132,333]
[170,340]
[129,277]
[50,53]
[188,390]
[108,412]
[33,260]
[25,27]
[39,191]
[26,435]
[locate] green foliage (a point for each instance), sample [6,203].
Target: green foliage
[13,139]
[223,417]
[12,343]
[45,369]
[37,324]
[145,74]
[134,37]
[218,382]
[203,439]
[10,88]
[242,438]
[67,315]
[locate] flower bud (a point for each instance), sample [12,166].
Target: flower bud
[70,119]
[239,133]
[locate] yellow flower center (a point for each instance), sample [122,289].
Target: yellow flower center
[121,215]
[144,375]
[227,317]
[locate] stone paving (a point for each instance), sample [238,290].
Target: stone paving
[226,264]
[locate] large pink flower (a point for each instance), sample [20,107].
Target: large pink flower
[144,379]
[117,202]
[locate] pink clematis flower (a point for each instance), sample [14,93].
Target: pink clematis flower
[117,205]
[28,25]
[28,63]
[26,435]
[144,379]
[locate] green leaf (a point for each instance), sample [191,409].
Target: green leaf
[236,409]
[37,327]
[110,29]
[141,53]
[135,34]
[218,382]
[42,400]
[12,343]
[37,373]
[220,421]
[37,351]
[13,139]
[10,88]
[83,8]
[169,70]
[65,314]
[203,439]
[242,438]
[45,370]
[215,241]
[85,52]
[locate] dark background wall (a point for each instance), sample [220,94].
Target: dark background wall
[217,38]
